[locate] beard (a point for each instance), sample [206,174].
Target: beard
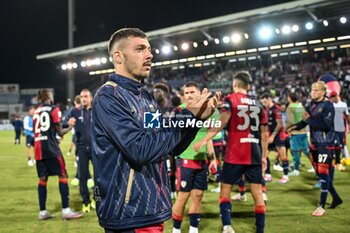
[132,67]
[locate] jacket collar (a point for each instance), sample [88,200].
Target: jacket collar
[126,83]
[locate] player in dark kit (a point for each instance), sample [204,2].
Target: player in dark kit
[48,156]
[320,118]
[246,149]
[277,136]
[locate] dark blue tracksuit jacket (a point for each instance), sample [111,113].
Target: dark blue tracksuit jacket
[130,172]
[321,123]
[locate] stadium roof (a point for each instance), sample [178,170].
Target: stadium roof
[212,28]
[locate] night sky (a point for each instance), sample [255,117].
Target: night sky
[32,27]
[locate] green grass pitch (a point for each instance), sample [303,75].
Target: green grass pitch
[289,206]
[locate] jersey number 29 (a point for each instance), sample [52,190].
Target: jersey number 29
[42,122]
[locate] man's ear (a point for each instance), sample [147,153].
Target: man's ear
[118,57]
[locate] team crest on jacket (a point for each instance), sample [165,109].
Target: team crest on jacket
[152,108]
[183,183]
[133,109]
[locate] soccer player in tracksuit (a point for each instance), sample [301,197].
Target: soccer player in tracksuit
[82,127]
[129,146]
[320,118]
[48,156]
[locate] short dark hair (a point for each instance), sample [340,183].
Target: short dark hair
[192,84]
[243,78]
[265,95]
[124,33]
[162,86]
[293,97]
[86,90]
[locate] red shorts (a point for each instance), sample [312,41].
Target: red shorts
[156,228]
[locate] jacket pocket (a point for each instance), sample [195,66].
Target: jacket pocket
[129,186]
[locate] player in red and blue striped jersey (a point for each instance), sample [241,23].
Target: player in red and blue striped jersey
[48,156]
[246,149]
[277,135]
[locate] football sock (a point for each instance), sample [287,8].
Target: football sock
[225,211]
[337,155]
[260,211]
[64,191]
[194,219]
[331,187]
[285,165]
[324,189]
[42,192]
[268,166]
[177,220]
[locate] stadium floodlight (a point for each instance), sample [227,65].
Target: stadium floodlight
[277,31]
[236,38]
[195,44]
[75,65]
[157,51]
[325,23]
[295,28]
[166,50]
[83,63]
[265,33]
[286,29]
[309,26]
[64,67]
[69,66]
[246,36]
[217,41]
[103,60]
[88,62]
[205,43]
[97,61]
[184,46]
[175,48]
[110,59]
[343,19]
[226,39]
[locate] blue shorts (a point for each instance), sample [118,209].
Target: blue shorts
[29,141]
[298,142]
[54,166]
[189,178]
[278,142]
[232,173]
